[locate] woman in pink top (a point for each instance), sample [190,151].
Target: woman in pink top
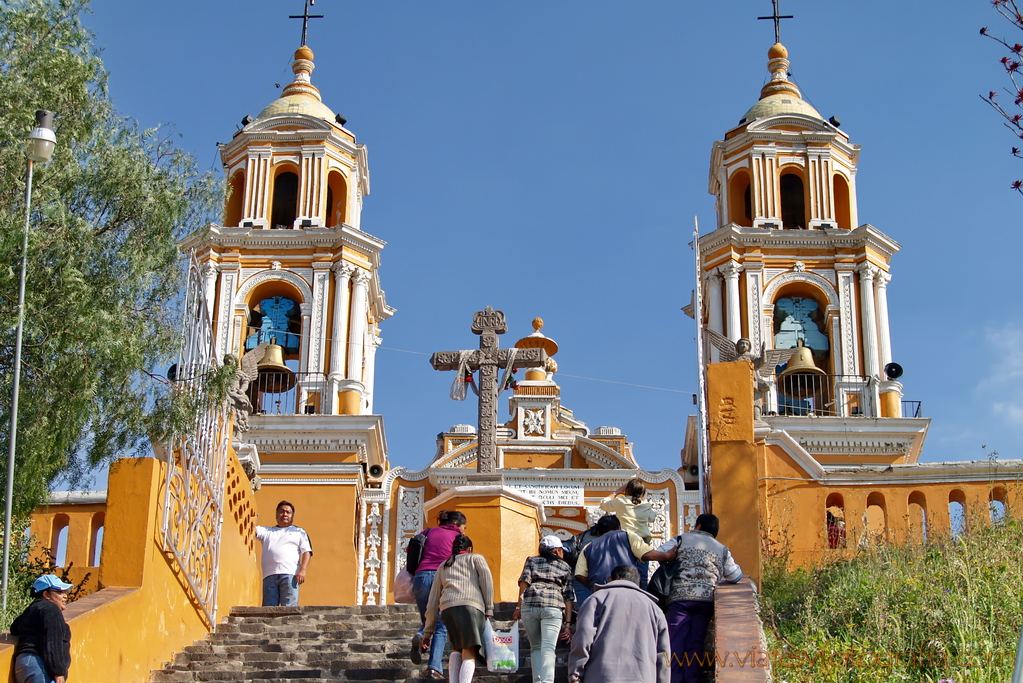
[437,549]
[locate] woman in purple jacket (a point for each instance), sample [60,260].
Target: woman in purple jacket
[436,550]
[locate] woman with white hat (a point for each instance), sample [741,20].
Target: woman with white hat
[43,652]
[545,605]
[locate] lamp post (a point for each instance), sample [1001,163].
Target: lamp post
[41,142]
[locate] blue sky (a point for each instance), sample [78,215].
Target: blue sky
[548,158]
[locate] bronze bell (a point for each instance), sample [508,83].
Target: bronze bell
[274,376]
[801,378]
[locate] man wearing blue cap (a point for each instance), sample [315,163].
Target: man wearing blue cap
[43,652]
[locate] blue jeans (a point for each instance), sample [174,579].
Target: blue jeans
[581,593]
[29,668]
[543,624]
[280,589]
[422,582]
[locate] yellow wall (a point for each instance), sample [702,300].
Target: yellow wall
[143,613]
[330,515]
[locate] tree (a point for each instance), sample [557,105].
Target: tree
[104,267]
[1012,63]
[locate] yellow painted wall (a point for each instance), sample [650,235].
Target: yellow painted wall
[143,614]
[733,462]
[329,513]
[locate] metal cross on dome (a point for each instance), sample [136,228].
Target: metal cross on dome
[777,20]
[305,17]
[488,360]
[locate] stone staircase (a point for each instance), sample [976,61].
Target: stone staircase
[368,644]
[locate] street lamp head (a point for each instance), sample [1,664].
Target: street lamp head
[42,139]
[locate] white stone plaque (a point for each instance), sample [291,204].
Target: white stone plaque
[550,495]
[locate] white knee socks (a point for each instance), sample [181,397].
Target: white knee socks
[454,666]
[467,670]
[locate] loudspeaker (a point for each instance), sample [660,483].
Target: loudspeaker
[375,471]
[893,370]
[694,470]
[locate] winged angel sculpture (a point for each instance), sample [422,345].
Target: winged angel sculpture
[763,364]
[244,375]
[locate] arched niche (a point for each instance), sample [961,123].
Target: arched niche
[284,196]
[957,512]
[792,191]
[96,528]
[740,199]
[337,199]
[998,506]
[834,521]
[234,202]
[59,539]
[917,521]
[842,197]
[877,517]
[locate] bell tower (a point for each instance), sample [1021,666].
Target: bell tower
[789,263]
[294,280]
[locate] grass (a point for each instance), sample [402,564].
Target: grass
[950,610]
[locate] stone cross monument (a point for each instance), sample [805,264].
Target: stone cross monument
[489,359]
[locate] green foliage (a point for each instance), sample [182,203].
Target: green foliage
[950,610]
[104,268]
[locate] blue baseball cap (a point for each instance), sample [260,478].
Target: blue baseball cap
[49,582]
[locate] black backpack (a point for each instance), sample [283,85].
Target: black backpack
[574,547]
[414,552]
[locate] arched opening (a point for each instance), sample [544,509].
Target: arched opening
[740,199]
[793,202]
[917,521]
[800,319]
[233,205]
[337,199]
[275,320]
[834,520]
[58,539]
[284,208]
[96,538]
[843,205]
[957,512]
[997,505]
[877,518]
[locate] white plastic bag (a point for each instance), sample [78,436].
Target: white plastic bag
[403,588]
[502,648]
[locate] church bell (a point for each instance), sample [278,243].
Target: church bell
[801,377]
[274,376]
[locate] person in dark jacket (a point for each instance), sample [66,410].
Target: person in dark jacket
[43,652]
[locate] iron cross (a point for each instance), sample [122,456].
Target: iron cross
[305,17]
[489,359]
[777,20]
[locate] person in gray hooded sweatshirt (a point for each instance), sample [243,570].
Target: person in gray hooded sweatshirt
[621,635]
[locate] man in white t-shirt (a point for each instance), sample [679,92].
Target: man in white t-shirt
[286,553]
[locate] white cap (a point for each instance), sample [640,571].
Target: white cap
[552,542]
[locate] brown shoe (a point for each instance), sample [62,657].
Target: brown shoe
[433,673]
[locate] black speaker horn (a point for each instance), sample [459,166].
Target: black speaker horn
[694,470]
[893,370]
[376,471]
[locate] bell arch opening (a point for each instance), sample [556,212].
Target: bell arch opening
[793,201]
[842,201]
[234,201]
[740,199]
[337,199]
[284,206]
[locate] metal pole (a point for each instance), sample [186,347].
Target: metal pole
[703,459]
[13,436]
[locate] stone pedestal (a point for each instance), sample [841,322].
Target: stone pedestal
[504,526]
[733,462]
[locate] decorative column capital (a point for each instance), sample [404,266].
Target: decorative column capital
[362,277]
[343,269]
[210,269]
[712,276]
[867,271]
[882,279]
[731,270]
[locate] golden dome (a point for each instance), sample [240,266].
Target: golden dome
[779,95]
[300,96]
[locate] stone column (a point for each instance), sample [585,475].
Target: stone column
[716,322]
[731,271]
[881,292]
[338,349]
[372,342]
[870,357]
[209,275]
[353,388]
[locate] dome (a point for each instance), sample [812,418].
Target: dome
[300,96]
[780,95]
[298,104]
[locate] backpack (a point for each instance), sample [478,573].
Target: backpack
[574,547]
[414,552]
[661,582]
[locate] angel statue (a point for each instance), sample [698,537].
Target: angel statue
[763,364]
[244,375]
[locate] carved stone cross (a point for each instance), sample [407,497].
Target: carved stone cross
[489,360]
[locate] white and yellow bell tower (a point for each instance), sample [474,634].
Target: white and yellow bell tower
[291,266]
[789,262]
